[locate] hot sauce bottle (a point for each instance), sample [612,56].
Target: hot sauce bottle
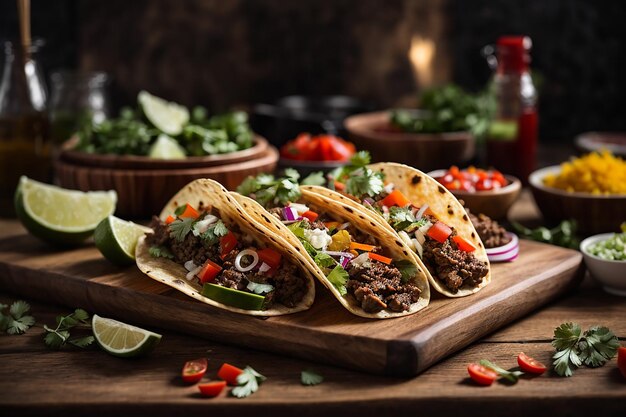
[512,138]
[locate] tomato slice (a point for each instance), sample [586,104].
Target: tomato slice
[621,360]
[229,373]
[530,365]
[311,215]
[463,244]
[194,370]
[395,198]
[270,257]
[227,244]
[439,232]
[189,212]
[212,389]
[380,258]
[481,375]
[209,271]
[170,219]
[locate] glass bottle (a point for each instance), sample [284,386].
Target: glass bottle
[512,138]
[77,98]
[24,129]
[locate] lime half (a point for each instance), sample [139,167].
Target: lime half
[116,239]
[166,116]
[58,215]
[166,147]
[124,340]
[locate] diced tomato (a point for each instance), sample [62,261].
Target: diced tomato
[396,198]
[530,365]
[621,360]
[463,244]
[229,373]
[212,389]
[439,232]
[380,258]
[194,370]
[484,184]
[270,257]
[339,186]
[481,375]
[227,244]
[361,246]
[331,225]
[311,215]
[170,219]
[189,212]
[209,271]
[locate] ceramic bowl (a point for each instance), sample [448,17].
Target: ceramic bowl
[610,274]
[493,203]
[593,213]
[424,151]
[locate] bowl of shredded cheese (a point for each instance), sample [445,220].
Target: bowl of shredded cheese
[590,189]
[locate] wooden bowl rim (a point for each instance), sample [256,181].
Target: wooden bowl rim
[536,181]
[514,185]
[362,123]
[113,161]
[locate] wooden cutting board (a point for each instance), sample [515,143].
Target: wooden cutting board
[326,333]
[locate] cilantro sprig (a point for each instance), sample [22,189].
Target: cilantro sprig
[214,232]
[180,228]
[359,180]
[15,321]
[58,337]
[310,377]
[247,383]
[573,348]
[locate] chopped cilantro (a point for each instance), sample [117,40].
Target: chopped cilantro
[179,228]
[407,268]
[574,348]
[310,377]
[212,235]
[339,277]
[316,178]
[160,252]
[270,191]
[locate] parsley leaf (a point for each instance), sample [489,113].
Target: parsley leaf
[511,376]
[339,277]
[248,383]
[360,159]
[58,337]
[180,228]
[310,377]
[160,252]
[316,178]
[407,268]
[16,322]
[600,345]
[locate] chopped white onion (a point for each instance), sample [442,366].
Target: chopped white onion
[424,229]
[191,274]
[264,267]
[389,188]
[421,211]
[300,208]
[420,237]
[361,259]
[259,288]
[202,226]
[240,255]
[190,266]
[405,237]
[417,247]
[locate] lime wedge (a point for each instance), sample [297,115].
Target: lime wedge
[58,215]
[124,340]
[116,239]
[166,147]
[166,116]
[232,297]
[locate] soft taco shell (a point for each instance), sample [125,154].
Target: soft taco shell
[317,203]
[208,193]
[420,189]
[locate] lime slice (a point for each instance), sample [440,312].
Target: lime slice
[116,239]
[124,340]
[166,148]
[58,215]
[232,297]
[166,116]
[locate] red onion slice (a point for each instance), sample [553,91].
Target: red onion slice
[505,248]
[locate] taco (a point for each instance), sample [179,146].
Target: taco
[428,218]
[206,247]
[367,268]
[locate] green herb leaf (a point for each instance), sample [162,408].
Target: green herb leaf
[600,346]
[315,178]
[339,277]
[248,383]
[16,322]
[220,229]
[360,159]
[19,308]
[364,182]
[82,342]
[269,191]
[180,228]
[562,235]
[58,337]
[160,252]
[324,260]
[407,268]
[511,376]
[310,377]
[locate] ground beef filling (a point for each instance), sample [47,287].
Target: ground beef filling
[289,287]
[453,266]
[379,286]
[490,232]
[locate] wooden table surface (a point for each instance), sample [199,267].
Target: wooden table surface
[37,381]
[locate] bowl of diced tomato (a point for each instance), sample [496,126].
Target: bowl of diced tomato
[483,191]
[309,153]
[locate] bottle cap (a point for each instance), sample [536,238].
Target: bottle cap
[513,53]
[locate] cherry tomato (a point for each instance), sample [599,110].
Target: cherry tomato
[621,360]
[530,365]
[212,389]
[481,375]
[194,370]
[229,373]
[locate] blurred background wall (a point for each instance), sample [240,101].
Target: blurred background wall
[240,52]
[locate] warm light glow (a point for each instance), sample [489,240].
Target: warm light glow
[421,55]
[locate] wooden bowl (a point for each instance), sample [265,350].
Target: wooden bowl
[493,203]
[142,192]
[593,213]
[72,156]
[372,132]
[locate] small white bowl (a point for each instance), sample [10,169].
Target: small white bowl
[611,274]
